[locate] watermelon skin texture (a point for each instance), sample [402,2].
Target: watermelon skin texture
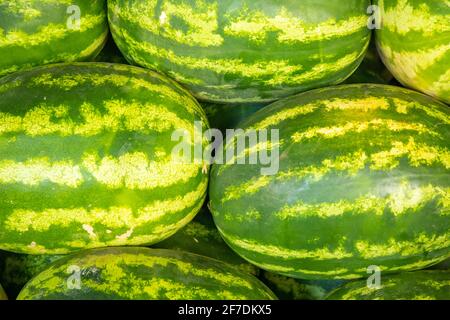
[418,285]
[286,288]
[86,158]
[228,116]
[416,47]
[37,32]
[362,180]
[17,269]
[201,237]
[218,49]
[144,274]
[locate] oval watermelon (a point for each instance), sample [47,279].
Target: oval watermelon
[142,274]
[201,237]
[419,285]
[85,158]
[414,43]
[37,32]
[243,51]
[362,180]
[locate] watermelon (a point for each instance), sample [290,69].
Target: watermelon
[85,158]
[17,269]
[362,179]
[37,32]
[371,70]
[248,51]
[142,274]
[3,295]
[287,288]
[201,237]
[110,53]
[418,285]
[414,43]
[228,116]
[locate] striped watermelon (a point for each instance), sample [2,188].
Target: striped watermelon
[3,295]
[371,70]
[142,274]
[228,116]
[419,285]
[37,32]
[362,180]
[287,288]
[85,158]
[243,51]
[201,237]
[17,269]
[414,43]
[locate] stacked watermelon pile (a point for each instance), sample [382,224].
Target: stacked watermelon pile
[104,193]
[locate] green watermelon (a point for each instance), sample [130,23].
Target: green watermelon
[3,295]
[201,237]
[287,288]
[362,180]
[17,269]
[110,53]
[228,116]
[251,51]
[419,285]
[142,274]
[85,158]
[37,32]
[414,43]
[371,70]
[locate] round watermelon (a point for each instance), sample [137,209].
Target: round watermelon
[86,158]
[414,43]
[361,179]
[419,285]
[142,274]
[243,51]
[38,32]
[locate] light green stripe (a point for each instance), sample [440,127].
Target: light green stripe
[115,218]
[133,171]
[48,33]
[120,115]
